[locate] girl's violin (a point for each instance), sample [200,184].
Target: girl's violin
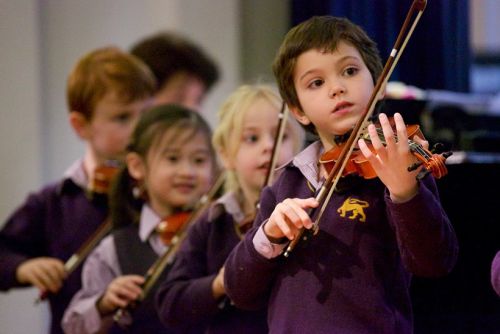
[358,165]
[168,227]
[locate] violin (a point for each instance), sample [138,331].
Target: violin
[103,177]
[357,164]
[169,226]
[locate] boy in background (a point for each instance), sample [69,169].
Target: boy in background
[106,92]
[184,72]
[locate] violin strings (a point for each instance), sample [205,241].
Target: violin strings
[414,146]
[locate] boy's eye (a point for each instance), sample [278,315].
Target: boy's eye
[122,118]
[350,71]
[316,83]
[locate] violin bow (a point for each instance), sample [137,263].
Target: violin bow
[77,258]
[102,178]
[157,268]
[324,194]
[282,119]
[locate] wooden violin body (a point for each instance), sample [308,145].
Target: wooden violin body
[357,164]
[169,226]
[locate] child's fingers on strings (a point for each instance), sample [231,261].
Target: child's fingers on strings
[368,154]
[380,153]
[401,132]
[389,138]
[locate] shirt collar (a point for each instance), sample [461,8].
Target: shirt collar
[307,162]
[76,173]
[229,203]
[148,223]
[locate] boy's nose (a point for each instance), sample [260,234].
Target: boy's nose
[336,90]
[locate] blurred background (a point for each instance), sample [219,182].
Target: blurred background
[448,81]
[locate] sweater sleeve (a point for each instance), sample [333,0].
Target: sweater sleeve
[185,297]
[249,275]
[495,273]
[100,268]
[21,239]
[426,239]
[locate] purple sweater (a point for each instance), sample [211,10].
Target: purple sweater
[185,298]
[53,222]
[354,275]
[495,273]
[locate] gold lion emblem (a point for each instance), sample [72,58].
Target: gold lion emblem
[356,207]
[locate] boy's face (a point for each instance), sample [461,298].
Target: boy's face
[183,89]
[333,90]
[108,131]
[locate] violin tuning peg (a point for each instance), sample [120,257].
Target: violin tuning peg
[447,154]
[414,166]
[422,174]
[437,148]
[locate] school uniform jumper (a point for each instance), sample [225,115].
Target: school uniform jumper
[186,296]
[53,222]
[128,250]
[354,275]
[495,273]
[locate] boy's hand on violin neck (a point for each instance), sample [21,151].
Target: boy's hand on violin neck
[391,161]
[46,273]
[120,293]
[289,217]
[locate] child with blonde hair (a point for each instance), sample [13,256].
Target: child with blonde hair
[194,290]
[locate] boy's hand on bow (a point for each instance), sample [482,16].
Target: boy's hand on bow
[46,273]
[289,217]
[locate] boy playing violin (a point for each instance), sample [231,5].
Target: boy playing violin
[106,92]
[353,276]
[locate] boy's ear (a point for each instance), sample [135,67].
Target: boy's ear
[300,116]
[135,166]
[79,124]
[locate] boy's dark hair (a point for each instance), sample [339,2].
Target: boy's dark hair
[167,54]
[105,70]
[125,204]
[323,33]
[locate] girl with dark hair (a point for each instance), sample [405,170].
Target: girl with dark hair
[169,166]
